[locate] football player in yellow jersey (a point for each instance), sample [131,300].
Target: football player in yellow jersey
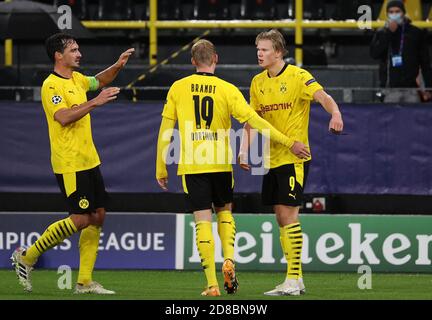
[203,104]
[74,159]
[282,94]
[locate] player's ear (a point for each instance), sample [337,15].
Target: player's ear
[216,58]
[193,62]
[58,55]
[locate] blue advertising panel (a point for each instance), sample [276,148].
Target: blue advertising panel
[128,240]
[386,150]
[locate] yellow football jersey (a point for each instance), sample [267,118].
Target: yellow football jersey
[203,104]
[72,147]
[284,101]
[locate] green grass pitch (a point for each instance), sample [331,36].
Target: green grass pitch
[181,285]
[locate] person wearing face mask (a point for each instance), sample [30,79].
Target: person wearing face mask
[402,51]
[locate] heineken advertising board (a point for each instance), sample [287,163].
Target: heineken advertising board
[390,243]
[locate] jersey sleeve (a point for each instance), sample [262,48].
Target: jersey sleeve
[239,107]
[169,110]
[266,129]
[308,85]
[93,83]
[53,98]
[84,81]
[164,139]
[253,96]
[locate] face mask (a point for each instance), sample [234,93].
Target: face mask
[396,17]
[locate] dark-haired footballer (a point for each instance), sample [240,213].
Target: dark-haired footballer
[74,159]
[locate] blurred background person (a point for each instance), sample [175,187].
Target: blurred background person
[402,51]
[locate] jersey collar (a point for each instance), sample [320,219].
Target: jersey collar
[205,74]
[60,76]
[280,72]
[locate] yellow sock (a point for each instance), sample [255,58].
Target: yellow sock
[284,240]
[88,248]
[206,248]
[293,241]
[227,233]
[53,235]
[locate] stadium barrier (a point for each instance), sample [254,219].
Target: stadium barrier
[298,24]
[386,150]
[166,241]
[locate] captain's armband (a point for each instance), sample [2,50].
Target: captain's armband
[93,83]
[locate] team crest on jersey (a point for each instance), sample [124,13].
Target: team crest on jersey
[56,99]
[283,87]
[83,203]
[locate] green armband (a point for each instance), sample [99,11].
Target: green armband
[93,83]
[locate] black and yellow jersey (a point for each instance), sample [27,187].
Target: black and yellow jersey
[72,147]
[203,104]
[284,101]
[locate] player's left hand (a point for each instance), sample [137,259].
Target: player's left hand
[336,123]
[163,183]
[124,57]
[242,160]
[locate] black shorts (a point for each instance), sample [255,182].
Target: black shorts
[285,184]
[202,190]
[84,190]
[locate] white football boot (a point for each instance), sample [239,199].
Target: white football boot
[93,287]
[22,270]
[290,287]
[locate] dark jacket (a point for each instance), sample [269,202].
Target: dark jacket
[415,55]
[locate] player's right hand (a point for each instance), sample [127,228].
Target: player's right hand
[107,95]
[243,161]
[300,150]
[163,183]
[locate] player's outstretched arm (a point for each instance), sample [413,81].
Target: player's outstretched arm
[328,103]
[108,75]
[266,129]
[248,136]
[254,120]
[164,139]
[67,116]
[299,149]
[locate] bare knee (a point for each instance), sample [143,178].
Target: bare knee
[97,218]
[286,215]
[203,215]
[80,221]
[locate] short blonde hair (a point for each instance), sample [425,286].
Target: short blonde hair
[203,52]
[276,38]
